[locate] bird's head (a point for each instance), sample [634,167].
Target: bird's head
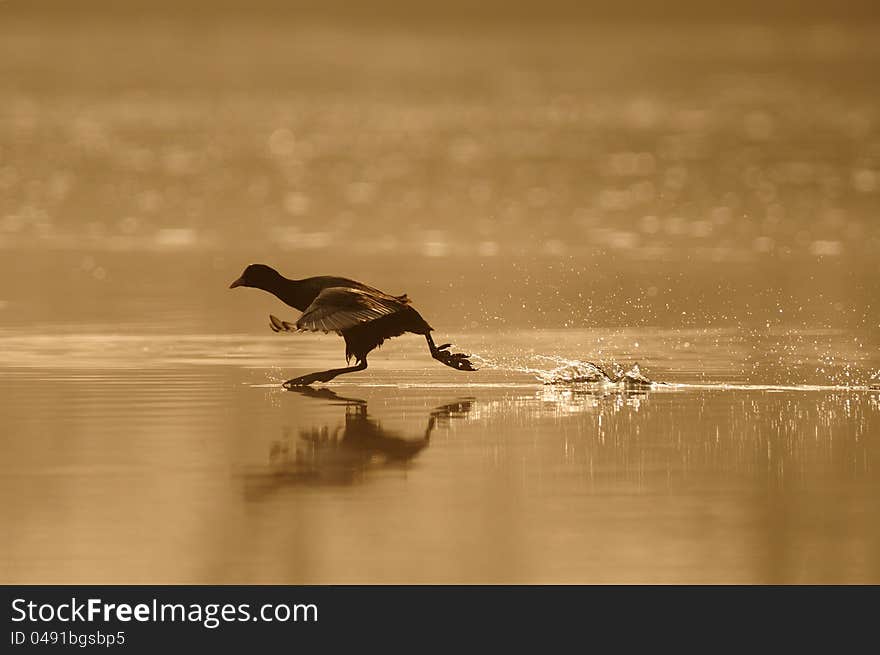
[257,275]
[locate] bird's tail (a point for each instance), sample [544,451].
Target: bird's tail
[278,325]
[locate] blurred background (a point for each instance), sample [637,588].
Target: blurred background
[648,163]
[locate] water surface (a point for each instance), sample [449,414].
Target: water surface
[181,459]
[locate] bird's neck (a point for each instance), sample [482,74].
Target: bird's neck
[291,292]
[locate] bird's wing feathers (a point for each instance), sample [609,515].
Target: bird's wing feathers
[340,308]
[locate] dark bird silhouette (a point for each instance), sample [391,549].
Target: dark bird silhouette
[365,317]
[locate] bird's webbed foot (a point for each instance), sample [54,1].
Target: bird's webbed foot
[323,376]
[458,361]
[305,380]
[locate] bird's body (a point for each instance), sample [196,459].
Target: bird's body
[364,316]
[299,294]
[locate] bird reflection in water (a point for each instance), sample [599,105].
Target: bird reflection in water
[342,454]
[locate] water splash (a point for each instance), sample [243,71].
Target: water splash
[577,372]
[572,371]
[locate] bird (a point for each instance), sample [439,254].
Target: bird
[362,315]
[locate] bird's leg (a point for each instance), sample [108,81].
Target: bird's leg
[458,361]
[323,376]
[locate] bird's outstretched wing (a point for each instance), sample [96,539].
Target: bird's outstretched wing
[339,308]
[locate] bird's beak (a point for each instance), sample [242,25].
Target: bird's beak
[239,282]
